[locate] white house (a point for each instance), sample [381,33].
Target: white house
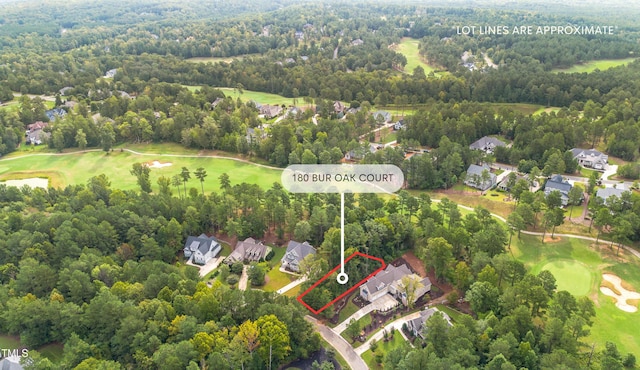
[590,158]
[201,248]
[389,281]
[416,326]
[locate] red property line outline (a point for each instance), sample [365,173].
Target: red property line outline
[299,298]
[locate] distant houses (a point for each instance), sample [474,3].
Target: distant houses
[248,250]
[557,183]
[487,144]
[590,158]
[360,152]
[110,73]
[35,134]
[270,111]
[56,112]
[201,249]
[480,177]
[382,116]
[295,253]
[389,281]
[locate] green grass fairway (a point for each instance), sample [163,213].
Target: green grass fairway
[410,49]
[77,168]
[524,108]
[218,59]
[571,276]
[261,97]
[52,351]
[602,64]
[578,267]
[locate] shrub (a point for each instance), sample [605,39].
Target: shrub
[224,271]
[270,255]
[233,279]
[237,267]
[453,297]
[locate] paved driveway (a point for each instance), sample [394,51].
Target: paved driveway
[354,361]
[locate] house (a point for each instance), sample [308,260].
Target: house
[359,153]
[389,281]
[299,35]
[399,125]
[56,112]
[590,158]
[216,102]
[201,249]
[248,250]
[295,253]
[270,111]
[557,183]
[382,116]
[110,73]
[338,107]
[252,135]
[486,144]
[11,360]
[607,193]
[474,177]
[357,42]
[39,125]
[37,137]
[416,326]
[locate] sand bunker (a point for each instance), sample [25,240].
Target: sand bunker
[621,299]
[34,182]
[156,164]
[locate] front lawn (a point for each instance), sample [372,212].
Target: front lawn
[384,348]
[363,321]
[349,309]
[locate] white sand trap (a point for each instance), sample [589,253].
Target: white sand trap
[34,182]
[621,299]
[156,164]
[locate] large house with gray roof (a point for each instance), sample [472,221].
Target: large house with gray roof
[201,249]
[389,281]
[590,158]
[557,183]
[475,180]
[487,144]
[295,253]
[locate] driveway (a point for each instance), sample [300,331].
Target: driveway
[354,361]
[244,278]
[383,303]
[394,325]
[208,267]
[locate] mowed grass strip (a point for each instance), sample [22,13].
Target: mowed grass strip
[590,66]
[78,168]
[409,47]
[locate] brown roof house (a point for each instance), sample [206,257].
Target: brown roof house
[389,281]
[248,250]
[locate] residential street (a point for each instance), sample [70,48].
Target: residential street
[354,361]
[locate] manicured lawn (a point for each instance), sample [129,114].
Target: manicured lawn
[578,267]
[383,347]
[77,168]
[261,97]
[277,280]
[226,249]
[592,65]
[453,314]
[524,108]
[364,321]
[409,47]
[293,292]
[348,310]
[546,110]
[9,342]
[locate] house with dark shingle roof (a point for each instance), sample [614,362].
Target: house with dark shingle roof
[389,281]
[487,144]
[295,253]
[590,158]
[201,249]
[557,183]
[474,177]
[416,326]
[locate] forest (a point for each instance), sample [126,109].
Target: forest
[97,269]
